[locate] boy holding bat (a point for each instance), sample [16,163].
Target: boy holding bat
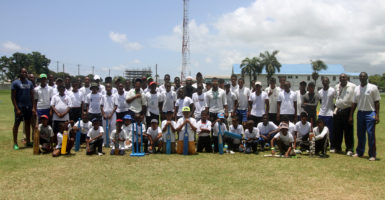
[70,143]
[95,138]
[251,137]
[218,124]
[169,125]
[118,137]
[85,126]
[46,135]
[191,128]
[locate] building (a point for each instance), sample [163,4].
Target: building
[296,73]
[209,78]
[137,73]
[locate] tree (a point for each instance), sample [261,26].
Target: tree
[251,67]
[317,66]
[271,64]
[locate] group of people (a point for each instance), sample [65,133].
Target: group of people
[143,115]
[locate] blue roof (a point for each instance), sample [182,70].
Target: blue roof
[333,69]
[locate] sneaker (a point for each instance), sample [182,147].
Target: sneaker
[332,150]
[16,147]
[232,152]
[357,156]
[349,153]
[372,159]
[100,154]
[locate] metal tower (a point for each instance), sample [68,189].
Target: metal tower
[185,42]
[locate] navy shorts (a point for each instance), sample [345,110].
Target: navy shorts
[26,114]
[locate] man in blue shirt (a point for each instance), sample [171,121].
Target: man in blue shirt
[22,98]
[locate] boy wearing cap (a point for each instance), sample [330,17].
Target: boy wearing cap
[258,104]
[169,125]
[204,132]
[127,127]
[118,136]
[95,138]
[154,134]
[92,102]
[45,134]
[284,140]
[191,128]
[251,137]
[71,139]
[42,94]
[60,105]
[85,126]
[181,102]
[76,103]
[108,108]
[266,129]
[154,104]
[218,124]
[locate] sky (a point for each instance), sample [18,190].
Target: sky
[134,34]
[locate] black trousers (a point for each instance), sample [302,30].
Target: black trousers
[290,117]
[204,142]
[95,144]
[342,128]
[120,115]
[255,119]
[234,146]
[75,114]
[273,118]
[213,116]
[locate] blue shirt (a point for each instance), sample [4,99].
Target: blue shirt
[23,92]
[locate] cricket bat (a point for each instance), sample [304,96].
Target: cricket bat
[78,133]
[64,143]
[185,141]
[220,139]
[312,141]
[107,144]
[168,141]
[116,150]
[36,142]
[141,138]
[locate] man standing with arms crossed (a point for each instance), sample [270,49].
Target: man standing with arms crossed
[366,99]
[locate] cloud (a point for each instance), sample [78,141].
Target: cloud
[121,39]
[350,33]
[11,47]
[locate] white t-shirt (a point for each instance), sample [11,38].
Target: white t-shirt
[286,139]
[128,130]
[102,89]
[344,95]
[61,103]
[320,135]
[203,125]
[239,130]
[243,95]
[258,103]
[180,103]
[76,99]
[199,104]
[190,132]
[85,90]
[302,129]
[172,134]
[264,130]
[84,127]
[169,99]
[327,104]
[162,88]
[216,101]
[153,101]
[121,135]
[287,100]
[195,85]
[154,133]
[108,103]
[273,98]
[234,88]
[299,102]
[231,98]
[93,101]
[253,134]
[92,133]
[216,129]
[120,102]
[43,96]
[365,97]
[136,105]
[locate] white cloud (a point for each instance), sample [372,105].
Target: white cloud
[121,38]
[11,47]
[346,32]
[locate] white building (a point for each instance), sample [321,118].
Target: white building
[296,73]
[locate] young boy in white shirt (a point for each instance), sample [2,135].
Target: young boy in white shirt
[284,141]
[191,128]
[301,132]
[85,126]
[95,138]
[154,104]
[251,137]
[204,131]
[169,125]
[321,134]
[118,137]
[266,129]
[220,123]
[45,135]
[235,127]
[154,134]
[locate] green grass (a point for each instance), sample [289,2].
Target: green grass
[205,176]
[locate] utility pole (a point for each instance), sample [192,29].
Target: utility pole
[156,73]
[57,66]
[63,67]
[93,70]
[109,72]
[78,69]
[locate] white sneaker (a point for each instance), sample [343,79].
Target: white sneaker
[357,156]
[227,151]
[332,150]
[372,159]
[232,152]
[349,153]
[100,154]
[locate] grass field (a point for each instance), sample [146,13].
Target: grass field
[204,176]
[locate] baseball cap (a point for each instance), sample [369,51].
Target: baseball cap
[227,83]
[43,75]
[94,120]
[151,83]
[94,85]
[186,109]
[119,120]
[44,116]
[221,115]
[154,121]
[188,78]
[283,125]
[96,77]
[127,117]
[258,83]
[148,78]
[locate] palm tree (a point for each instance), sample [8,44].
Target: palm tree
[317,66]
[251,67]
[270,63]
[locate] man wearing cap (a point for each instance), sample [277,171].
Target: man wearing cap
[191,128]
[367,100]
[60,105]
[42,95]
[273,93]
[136,99]
[92,101]
[287,103]
[216,101]
[22,97]
[258,104]
[101,88]
[300,95]
[284,141]
[154,103]
[243,94]
[188,88]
